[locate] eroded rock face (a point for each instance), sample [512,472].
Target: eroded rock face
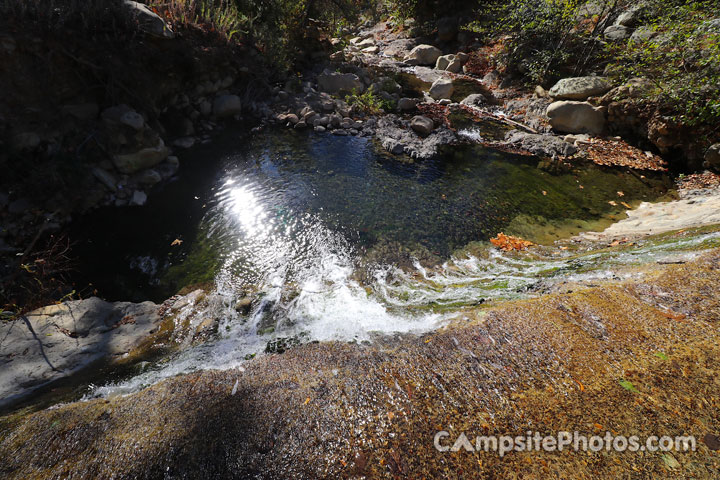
[576,117]
[423,55]
[56,341]
[580,88]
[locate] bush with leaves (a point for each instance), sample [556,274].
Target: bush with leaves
[682,60]
[368,102]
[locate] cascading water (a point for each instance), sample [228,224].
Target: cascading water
[334,243]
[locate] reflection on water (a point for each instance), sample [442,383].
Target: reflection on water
[316,228]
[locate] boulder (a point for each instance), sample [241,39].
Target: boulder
[147,20]
[423,55]
[442,88]
[712,157]
[138,199]
[443,61]
[540,145]
[340,82]
[630,18]
[407,104]
[617,32]
[422,125]
[576,117]
[227,106]
[133,120]
[59,340]
[145,158]
[580,88]
[474,100]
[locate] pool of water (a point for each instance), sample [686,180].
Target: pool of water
[254,211]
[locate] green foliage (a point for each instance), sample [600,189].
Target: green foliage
[682,60]
[545,36]
[369,101]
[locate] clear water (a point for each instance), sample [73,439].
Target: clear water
[335,241]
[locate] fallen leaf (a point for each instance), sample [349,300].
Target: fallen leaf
[628,386]
[544,192]
[307,400]
[613,203]
[581,187]
[508,243]
[626,205]
[176,242]
[620,194]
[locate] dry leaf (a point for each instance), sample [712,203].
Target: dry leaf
[621,194]
[176,242]
[508,243]
[613,203]
[626,205]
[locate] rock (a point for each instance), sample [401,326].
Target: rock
[173,160]
[148,177]
[576,117]
[474,100]
[422,125]
[184,142]
[712,157]
[492,78]
[423,55]
[630,18]
[288,118]
[455,66]
[371,50]
[106,178]
[463,57]
[244,305]
[396,138]
[147,20]
[368,42]
[82,111]
[319,128]
[443,61]
[340,132]
[59,340]
[205,107]
[142,159]
[227,106]
[407,104]
[138,198]
[133,120]
[540,92]
[300,125]
[643,34]
[441,88]
[580,88]
[540,145]
[617,32]
[340,82]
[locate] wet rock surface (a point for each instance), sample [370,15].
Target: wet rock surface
[59,340]
[397,138]
[633,358]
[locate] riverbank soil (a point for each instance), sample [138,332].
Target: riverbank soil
[633,358]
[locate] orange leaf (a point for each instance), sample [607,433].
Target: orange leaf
[508,243]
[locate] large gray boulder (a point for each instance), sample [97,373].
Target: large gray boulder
[340,82]
[56,341]
[147,20]
[423,55]
[576,117]
[580,88]
[617,32]
[422,125]
[442,88]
